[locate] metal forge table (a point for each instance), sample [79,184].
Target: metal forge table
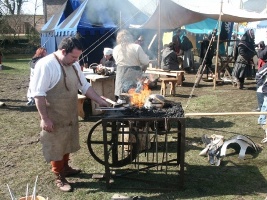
[143,143]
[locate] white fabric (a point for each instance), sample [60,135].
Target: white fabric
[175,14]
[108,51]
[47,73]
[29,95]
[132,55]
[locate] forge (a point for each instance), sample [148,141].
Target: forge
[138,139]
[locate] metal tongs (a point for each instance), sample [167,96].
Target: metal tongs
[115,104]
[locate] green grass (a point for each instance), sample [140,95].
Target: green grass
[22,160]
[18,65]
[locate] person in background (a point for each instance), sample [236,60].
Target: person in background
[188,57]
[1,55]
[131,61]
[54,86]
[169,58]
[108,60]
[177,41]
[262,54]
[261,80]
[246,52]
[207,49]
[140,41]
[40,52]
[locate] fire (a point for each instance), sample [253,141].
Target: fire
[138,98]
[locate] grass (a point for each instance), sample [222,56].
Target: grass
[18,65]
[22,160]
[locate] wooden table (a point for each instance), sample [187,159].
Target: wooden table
[103,85]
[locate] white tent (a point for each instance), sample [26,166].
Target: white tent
[172,14]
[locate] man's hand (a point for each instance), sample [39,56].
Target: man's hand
[103,103]
[47,125]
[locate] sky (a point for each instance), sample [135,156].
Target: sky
[28,8]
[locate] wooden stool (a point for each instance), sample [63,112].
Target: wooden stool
[164,82]
[81,99]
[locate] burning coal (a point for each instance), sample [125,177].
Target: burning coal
[169,110]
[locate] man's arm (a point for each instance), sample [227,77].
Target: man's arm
[46,124]
[90,93]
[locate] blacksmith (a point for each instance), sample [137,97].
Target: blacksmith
[56,81]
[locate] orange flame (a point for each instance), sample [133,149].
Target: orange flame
[138,99]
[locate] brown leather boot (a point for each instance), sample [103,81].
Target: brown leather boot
[62,183]
[69,171]
[238,84]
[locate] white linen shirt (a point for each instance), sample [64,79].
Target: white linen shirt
[134,55]
[47,73]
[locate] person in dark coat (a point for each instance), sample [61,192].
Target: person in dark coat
[207,51]
[246,52]
[177,41]
[169,58]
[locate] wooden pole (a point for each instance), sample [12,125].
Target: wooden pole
[159,34]
[217,51]
[224,114]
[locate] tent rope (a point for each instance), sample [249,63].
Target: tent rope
[116,29]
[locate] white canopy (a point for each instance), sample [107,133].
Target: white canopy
[172,14]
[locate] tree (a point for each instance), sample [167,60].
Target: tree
[12,7]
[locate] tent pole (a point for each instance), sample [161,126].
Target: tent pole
[217,48]
[120,20]
[159,34]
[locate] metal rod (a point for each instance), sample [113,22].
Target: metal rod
[224,114]
[34,189]
[11,194]
[27,191]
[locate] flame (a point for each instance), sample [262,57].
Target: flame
[138,98]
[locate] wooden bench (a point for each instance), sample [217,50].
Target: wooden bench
[176,78]
[165,82]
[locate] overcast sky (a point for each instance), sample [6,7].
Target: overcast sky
[28,8]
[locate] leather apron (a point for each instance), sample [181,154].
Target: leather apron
[126,78]
[61,102]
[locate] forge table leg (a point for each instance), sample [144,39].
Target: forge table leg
[181,149]
[107,169]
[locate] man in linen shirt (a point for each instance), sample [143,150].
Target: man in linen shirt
[55,84]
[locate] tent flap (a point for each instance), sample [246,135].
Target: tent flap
[173,14]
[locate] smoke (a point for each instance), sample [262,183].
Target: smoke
[118,13]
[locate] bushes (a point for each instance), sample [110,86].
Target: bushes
[17,46]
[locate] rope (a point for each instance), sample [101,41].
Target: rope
[200,71]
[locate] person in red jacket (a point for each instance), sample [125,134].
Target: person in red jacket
[262,54]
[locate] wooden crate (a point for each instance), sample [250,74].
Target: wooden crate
[104,86]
